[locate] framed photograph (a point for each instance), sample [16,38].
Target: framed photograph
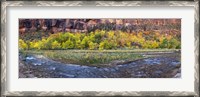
[100,48]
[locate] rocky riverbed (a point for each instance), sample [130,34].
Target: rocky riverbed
[156,66]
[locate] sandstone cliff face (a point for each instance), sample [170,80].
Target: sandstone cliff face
[88,25]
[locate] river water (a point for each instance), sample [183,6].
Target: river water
[38,66]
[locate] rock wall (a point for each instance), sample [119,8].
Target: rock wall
[88,25]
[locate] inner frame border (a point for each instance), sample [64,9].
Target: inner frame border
[5,4]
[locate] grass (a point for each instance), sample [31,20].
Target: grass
[94,57]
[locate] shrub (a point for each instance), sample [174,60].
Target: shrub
[101,46]
[69,44]
[128,44]
[55,45]
[36,45]
[174,43]
[154,44]
[110,34]
[93,46]
[31,45]
[107,45]
[47,43]
[78,44]
[22,45]
[85,42]
[97,37]
[63,37]
[164,43]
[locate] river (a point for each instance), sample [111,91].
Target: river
[156,66]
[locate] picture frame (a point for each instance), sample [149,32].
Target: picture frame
[5,59]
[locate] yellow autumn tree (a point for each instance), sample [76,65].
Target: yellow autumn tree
[22,45]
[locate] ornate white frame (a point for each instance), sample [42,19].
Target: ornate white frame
[5,4]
